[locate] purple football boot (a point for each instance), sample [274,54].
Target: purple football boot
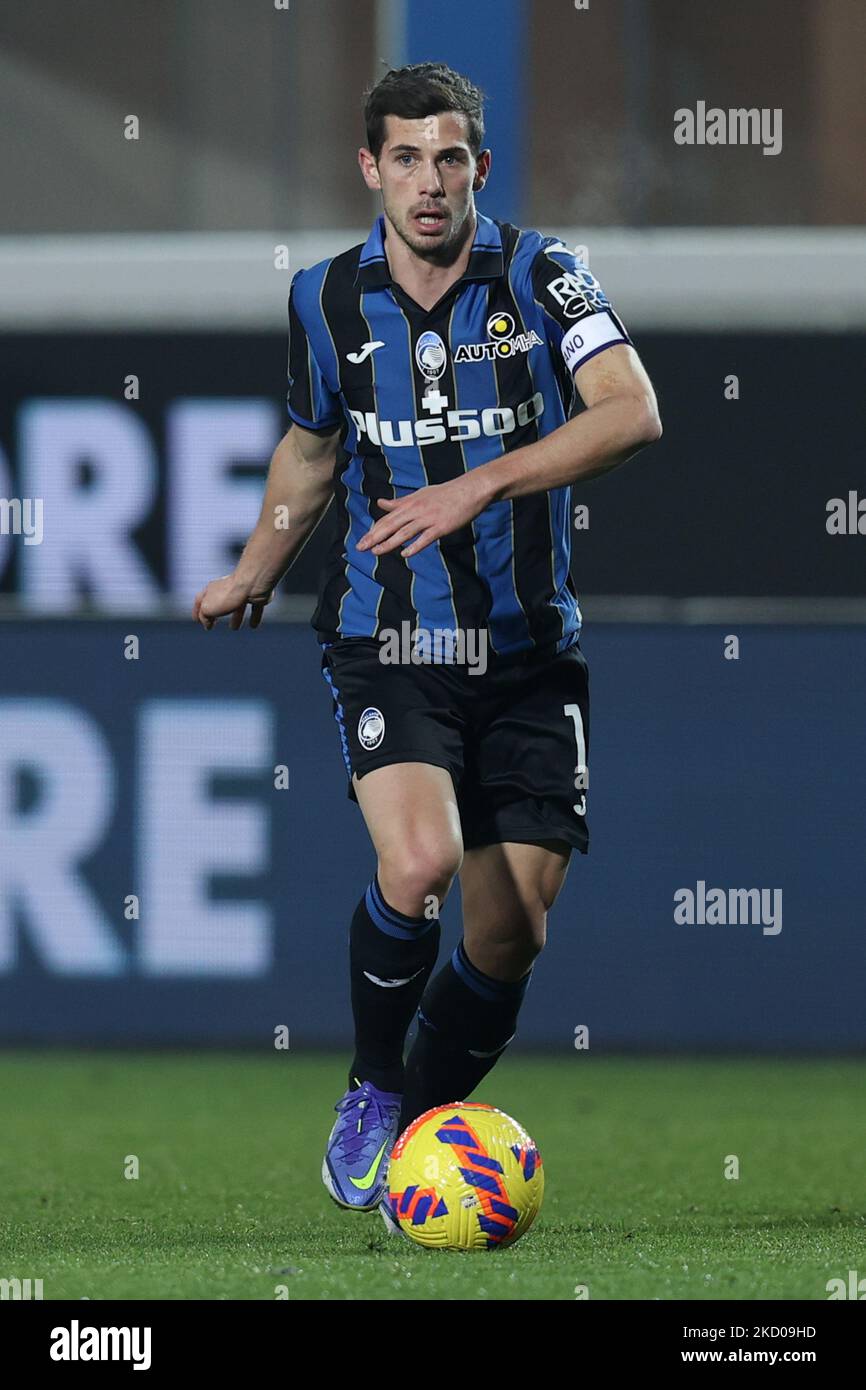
[355,1166]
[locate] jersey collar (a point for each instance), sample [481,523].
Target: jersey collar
[485,258]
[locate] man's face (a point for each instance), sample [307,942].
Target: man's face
[427,176]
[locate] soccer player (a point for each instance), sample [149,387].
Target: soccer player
[433,374]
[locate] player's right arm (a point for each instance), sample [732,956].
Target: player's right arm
[300,479]
[298,492]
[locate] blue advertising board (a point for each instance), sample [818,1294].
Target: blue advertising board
[179,861]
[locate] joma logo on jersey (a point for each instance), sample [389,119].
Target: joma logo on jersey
[456,426]
[503,342]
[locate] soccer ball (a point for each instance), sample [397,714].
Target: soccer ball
[465,1177]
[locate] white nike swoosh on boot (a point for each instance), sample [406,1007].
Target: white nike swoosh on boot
[391,984]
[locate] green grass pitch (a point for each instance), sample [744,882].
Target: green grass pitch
[229,1203]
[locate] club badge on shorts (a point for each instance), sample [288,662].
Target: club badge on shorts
[371,728]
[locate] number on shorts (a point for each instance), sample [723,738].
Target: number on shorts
[581,778]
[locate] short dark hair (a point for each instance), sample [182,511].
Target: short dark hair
[423,89]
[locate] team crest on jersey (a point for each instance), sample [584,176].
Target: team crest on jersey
[371,728]
[502,341]
[430,355]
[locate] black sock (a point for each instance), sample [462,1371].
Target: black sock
[463,1012]
[389,946]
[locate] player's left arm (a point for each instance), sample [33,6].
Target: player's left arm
[621,418]
[582,327]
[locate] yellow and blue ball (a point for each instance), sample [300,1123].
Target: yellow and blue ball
[465,1177]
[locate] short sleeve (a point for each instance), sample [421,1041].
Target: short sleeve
[309,400]
[579,317]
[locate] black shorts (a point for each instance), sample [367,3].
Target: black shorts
[514,738]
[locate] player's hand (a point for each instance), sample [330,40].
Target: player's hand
[225,598]
[420,518]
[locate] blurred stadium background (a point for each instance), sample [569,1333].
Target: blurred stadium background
[165,168]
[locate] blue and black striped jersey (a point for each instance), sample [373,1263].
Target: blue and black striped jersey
[422,396]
